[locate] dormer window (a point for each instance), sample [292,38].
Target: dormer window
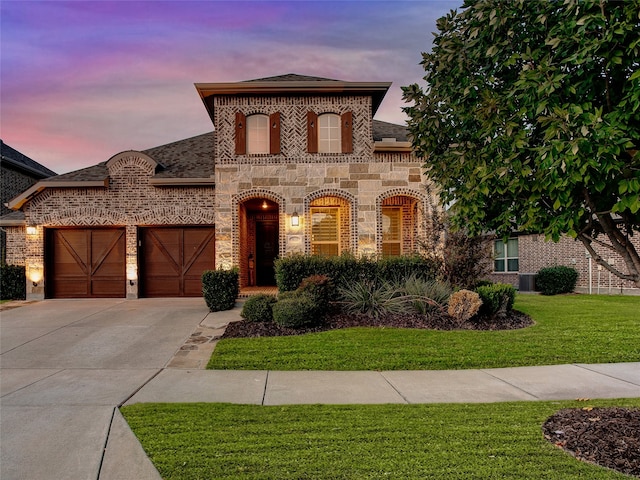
[257,134]
[329,133]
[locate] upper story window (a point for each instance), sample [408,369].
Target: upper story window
[257,134]
[329,132]
[505,255]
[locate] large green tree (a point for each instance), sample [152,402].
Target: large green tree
[530,121]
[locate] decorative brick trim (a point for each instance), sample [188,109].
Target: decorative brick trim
[422,211]
[237,200]
[131,158]
[353,215]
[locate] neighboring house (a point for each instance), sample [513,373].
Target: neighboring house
[17,172]
[295,164]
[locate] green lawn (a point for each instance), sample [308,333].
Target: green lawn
[568,329]
[453,441]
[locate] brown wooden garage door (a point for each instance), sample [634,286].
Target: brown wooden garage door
[173,259]
[86,262]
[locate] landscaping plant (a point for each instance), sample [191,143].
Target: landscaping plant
[463,305]
[258,308]
[220,288]
[497,299]
[555,280]
[12,282]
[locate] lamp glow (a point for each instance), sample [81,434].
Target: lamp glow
[35,274]
[295,219]
[32,230]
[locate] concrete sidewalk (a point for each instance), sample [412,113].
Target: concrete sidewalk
[556,382]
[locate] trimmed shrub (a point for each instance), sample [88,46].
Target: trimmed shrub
[13,282]
[346,269]
[395,269]
[296,310]
[463,305]
[497,299]
[319,287]
[555,280]
[220,289]
[258,308]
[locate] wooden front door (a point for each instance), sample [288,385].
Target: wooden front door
[266,251]
[173,260]
[86,263]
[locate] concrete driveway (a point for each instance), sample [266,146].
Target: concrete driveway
[65,367]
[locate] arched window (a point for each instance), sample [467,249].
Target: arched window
[257,134]
[329,138]
[329,133]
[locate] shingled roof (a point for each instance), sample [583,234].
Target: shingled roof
[20,161]
[194,157]
[292,77]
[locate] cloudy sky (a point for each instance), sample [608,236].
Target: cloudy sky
[84,80]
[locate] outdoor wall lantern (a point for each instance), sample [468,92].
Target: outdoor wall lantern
[32,230]
[295,219]
[35,274]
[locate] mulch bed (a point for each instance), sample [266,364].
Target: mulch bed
[609,437]
[337,320]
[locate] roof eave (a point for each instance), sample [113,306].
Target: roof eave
[377,90]
[26,168]
[183,182]
[403,147]
[17,202]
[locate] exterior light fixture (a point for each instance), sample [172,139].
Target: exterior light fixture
[35,274]
[295,219]
[264,205]
[132,273]
[32,230]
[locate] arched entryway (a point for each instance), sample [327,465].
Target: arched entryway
[259,241]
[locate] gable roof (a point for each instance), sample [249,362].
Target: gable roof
[20,161]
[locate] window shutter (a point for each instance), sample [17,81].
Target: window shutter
[274,133]
[347,132]
[241,134]
[312,132]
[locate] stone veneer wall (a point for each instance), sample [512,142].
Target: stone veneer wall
[295,178]
[128,201]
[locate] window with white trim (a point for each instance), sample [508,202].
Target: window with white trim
[505,255]
[325,231]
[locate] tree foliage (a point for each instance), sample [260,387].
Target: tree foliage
[530,120]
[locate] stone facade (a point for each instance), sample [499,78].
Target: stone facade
[297,180]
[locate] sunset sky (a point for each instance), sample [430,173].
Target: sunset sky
[84,80]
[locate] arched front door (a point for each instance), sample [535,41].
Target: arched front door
[259,241]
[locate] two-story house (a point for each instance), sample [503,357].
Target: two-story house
[295,164]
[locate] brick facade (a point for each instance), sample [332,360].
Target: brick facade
[129,200]
[536,253]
